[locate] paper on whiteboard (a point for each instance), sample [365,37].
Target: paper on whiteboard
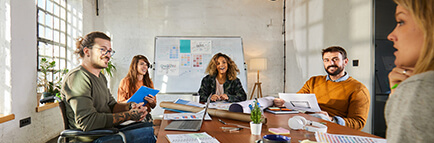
[168,68]
[174,53]
[197,61]
[201,46]
[186,116]
[304,102]
[185,60]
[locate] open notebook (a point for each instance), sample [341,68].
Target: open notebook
[188,125]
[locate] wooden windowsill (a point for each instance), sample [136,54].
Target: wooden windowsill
[5,118]
[46,106]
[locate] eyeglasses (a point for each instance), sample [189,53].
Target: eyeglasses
[105,52]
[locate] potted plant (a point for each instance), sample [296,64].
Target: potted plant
[51,88]
[256,117]
[109,69]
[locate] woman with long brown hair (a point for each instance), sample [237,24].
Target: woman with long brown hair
[137,77]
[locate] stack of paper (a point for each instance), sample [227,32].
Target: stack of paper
[191,138]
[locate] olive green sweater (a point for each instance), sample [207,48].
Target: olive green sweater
[89,103]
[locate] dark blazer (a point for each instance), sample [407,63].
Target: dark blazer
[232,88]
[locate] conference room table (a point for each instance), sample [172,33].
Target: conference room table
[273,121]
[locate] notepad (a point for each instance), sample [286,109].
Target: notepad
[278,131]
[191,138]
[140,94]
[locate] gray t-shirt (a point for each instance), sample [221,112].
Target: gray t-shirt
[89,103]
[409,111]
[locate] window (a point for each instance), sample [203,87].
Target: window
[5,62]
[58,26]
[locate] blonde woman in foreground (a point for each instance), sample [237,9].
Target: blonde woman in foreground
[409,109]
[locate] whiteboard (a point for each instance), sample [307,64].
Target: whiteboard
[180,62]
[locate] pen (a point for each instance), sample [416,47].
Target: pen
[222,122]
[394,86]
[233,124]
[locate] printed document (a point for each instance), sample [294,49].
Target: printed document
[303,102]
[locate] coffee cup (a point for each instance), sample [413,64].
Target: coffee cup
[275,139]
[195,97]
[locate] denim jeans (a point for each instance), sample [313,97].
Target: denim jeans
[138,135]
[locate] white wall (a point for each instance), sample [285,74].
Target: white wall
[133,25]
[44,125]
[316,24]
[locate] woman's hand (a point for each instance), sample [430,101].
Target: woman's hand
[151,100]
[397,75]
[224,97]
[215,97]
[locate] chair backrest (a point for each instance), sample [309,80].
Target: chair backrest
[63,111]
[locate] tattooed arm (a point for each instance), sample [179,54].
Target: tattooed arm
[133,114]
[136,114]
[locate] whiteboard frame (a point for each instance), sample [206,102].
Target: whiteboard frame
[242,67]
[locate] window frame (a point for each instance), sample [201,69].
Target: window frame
[52,36]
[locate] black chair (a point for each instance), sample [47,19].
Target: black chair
[74,133]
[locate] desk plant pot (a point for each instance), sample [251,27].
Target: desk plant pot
[255,129]
[256,117]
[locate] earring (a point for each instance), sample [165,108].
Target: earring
[88,55]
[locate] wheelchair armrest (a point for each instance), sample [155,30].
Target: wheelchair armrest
[98,132]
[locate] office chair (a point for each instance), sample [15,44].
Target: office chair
[73,133]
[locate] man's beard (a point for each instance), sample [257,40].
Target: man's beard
[336,72]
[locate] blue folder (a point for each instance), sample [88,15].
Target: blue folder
[140,94]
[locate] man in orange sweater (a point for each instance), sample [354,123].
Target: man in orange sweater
[343,99]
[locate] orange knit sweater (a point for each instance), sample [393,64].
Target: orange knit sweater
[348,99]
[124,94]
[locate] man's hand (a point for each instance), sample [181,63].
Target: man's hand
[137,113]
[325,113]
[278,102]
[136,106]
[397,75]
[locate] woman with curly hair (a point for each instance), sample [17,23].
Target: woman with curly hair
[222,83]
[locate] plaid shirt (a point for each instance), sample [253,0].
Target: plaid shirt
[232,88]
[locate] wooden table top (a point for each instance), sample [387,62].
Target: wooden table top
[244,135]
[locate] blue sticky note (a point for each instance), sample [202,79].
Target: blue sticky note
[184,46]
[140,94]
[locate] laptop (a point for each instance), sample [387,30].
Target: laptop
[188,125]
